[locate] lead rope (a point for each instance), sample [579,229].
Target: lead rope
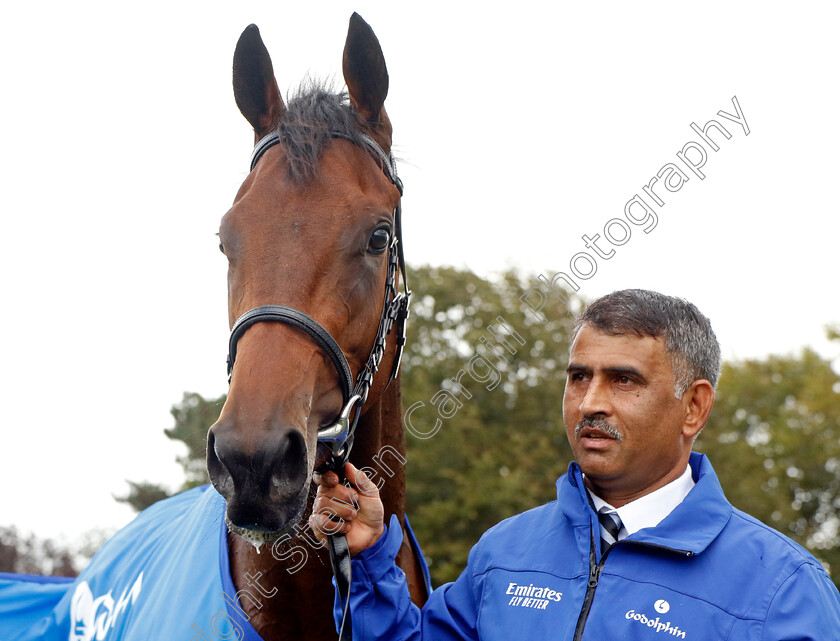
[343,572]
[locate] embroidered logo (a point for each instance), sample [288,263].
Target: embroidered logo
[93,618]
[532,596]
[662,606]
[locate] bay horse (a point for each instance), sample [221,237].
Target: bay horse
[310,241]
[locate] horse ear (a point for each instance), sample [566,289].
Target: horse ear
[254,85]
[364,70]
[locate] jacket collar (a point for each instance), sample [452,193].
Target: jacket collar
[690,527]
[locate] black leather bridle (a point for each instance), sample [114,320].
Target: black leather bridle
[338,437]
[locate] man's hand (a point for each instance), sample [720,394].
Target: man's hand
[355,511]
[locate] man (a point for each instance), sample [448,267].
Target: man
[640,543]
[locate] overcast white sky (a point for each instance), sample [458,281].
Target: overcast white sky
[522,126]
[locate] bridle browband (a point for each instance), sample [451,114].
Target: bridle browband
[338,436]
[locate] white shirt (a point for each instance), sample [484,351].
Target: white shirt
[650,509]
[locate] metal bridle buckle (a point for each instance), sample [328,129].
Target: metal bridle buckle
[336,434]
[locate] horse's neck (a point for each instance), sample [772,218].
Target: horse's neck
[291,599]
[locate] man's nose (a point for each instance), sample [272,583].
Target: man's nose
[596,399]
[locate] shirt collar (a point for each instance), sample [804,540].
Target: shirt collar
[650,509]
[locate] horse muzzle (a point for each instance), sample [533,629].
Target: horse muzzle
[264,480]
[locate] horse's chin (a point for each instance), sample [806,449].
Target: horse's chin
[256,537]
[270,522]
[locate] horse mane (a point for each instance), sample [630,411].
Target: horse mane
[315,114]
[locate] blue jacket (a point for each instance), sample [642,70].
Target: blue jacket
[707,572]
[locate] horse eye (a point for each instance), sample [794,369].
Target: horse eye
[378,242]
[221,248]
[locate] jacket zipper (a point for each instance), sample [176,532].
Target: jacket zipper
[595,575]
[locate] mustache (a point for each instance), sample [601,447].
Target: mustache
[598,424]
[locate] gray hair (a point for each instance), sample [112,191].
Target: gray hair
[690,343]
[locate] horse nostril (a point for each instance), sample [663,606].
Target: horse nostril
[220,476]
[289,471]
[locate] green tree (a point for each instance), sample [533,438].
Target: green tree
[21,554]
[503,449]
[774,439]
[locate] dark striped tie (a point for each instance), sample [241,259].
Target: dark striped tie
[610,525]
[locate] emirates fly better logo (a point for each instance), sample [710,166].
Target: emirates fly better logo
[532,596]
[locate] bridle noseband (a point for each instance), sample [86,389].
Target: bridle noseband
[338,436]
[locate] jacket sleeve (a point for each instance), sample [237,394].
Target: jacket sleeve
[381,608]
[806,607]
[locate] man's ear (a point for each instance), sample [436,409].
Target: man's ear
[698,400]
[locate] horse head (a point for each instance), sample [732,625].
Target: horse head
[311,234]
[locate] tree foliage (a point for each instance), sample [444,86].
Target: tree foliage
[27,554]
[142,494]
[774,439]
[503,449]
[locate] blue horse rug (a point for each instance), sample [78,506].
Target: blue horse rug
[164,576]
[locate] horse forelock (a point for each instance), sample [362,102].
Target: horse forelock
[315,114]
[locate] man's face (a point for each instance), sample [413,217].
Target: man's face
[632,439]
